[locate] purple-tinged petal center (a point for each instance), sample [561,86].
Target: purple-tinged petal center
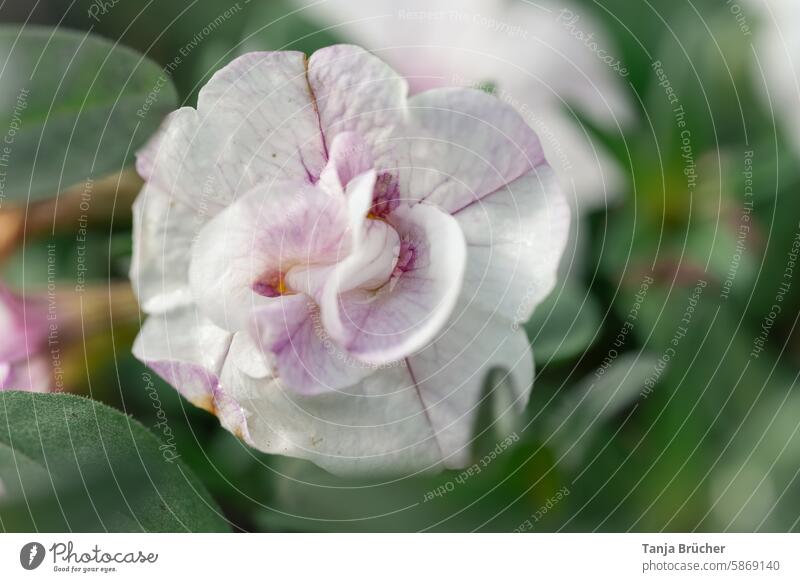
[385,196]
[405,262]
[276,288]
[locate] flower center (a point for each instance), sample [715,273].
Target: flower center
[405,261]
[275,288]
[385,196]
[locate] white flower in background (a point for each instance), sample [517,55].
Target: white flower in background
[332,267]
[23,338]
[778,52]
[543,57]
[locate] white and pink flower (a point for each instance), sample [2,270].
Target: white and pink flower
[333,267]
[23,338]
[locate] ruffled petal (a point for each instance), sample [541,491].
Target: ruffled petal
[384,324]
[463,144]
[357,92]
[255,123]
[413,415]
[305,359]
[350,156]
[535,59]
[335,222]
[243,255]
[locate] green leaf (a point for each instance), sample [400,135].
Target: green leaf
[564,325]
[754,485]
[606,393]
[274,26]
[68,463]
[496,493]
[497,415]
[73,107]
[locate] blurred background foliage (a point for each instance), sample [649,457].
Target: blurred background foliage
[615,438]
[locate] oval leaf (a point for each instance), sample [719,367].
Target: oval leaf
[68,463]
[73,107]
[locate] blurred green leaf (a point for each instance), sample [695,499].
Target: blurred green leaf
[583,413]
[754,487]
[497,493]
[57,258]
[498,412]
[72,464]
[274,26]
[74,107]
[564,325]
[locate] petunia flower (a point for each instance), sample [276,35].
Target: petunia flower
[332,267]
[23,339]
[551,60]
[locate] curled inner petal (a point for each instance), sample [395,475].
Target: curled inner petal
[421,286]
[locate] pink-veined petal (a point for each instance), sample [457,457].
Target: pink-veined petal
[534,57]
[306,360]
[243,255]
[375,427]
[23,325]
[356,91]
[350,156]
[413,415]
[403,315]
[462,145]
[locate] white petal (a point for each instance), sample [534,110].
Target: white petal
[375,427]
[586,171]
[462,145]
[450,375]
[188,352]
[409,416]
[163,232]
[356,91]
[515,240]
[255,122]
[185,349]
[778,60]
